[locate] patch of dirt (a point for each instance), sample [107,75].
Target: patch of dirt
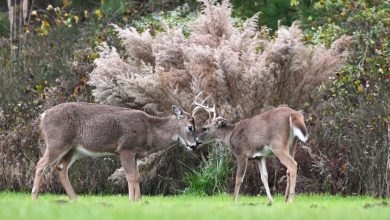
[376,204]
[61,201]
[106,204]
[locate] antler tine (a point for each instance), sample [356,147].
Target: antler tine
[201,105]
[196,109]
[212,112]
[215,112]
[197,97]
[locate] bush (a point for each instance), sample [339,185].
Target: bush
[350,118]
[242,69]
[49,69]
[52,66]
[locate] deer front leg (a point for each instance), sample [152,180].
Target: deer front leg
[129,163]
[241,168]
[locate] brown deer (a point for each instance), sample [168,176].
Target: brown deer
[72,129]
[273,132]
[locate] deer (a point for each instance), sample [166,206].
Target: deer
[274,132]
[73,129]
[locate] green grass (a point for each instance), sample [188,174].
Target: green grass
[93,207]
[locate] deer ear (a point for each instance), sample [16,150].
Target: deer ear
[177,111]
[221,122]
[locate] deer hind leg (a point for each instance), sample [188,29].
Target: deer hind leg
[288,161]
[264,178]
[51,156]
[129,164]
[242,162]
[292,153]
[62,169]
[41,168]
[286,193]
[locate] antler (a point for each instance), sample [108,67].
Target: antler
[201,105]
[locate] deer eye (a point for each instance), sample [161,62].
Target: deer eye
[204,129]
[190,128]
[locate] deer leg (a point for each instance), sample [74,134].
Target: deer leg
[292,153]
[241,168]
[264,178]
[137,189]
[291,165]
[41,168]
[62,169]
[286,193]
[129,164]
[49,158]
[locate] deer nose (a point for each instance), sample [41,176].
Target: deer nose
[198,142]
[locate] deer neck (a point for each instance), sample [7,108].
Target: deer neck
[164,132]
[225,133]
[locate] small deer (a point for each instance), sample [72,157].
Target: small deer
[73,129]
[273,132]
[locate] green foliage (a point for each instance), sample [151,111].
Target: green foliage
[212,176]
[4,24]
[25,81]
[56,41]
[114,7]
[178,18]
[355,103]
[273,12]
[368,24]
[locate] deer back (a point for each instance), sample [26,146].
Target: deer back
[98,128]
[253,134]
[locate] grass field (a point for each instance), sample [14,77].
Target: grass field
[15,206]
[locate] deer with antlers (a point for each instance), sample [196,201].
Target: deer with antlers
[274,132]
[73,129]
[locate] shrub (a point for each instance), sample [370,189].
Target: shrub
[55,56]
[50,69]
[242,69]
[349,119]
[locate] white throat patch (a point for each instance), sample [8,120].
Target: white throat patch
[181,140]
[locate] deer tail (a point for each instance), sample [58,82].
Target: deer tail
[298,127]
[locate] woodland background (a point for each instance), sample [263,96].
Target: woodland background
[328,58]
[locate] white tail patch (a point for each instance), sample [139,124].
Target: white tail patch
[43,115]
[298,133]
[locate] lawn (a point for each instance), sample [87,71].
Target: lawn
[92,207]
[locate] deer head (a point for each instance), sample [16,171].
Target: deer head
[212,130]
[186,132]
